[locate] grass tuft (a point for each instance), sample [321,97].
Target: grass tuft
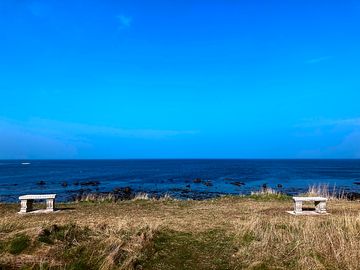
[268,194]
[324,190]
[19,244]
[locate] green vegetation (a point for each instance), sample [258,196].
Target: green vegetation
[67,234]
[183,250]
[19,244]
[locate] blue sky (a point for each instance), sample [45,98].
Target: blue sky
[179,79]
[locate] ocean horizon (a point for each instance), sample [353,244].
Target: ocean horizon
[179,178]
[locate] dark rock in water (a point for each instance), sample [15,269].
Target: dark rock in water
[64,184]
[127,190]
[237,183]
[84,191]
[117,190]
[176,189]
[353,196]
[41,183]
[228,179]
[264,186]
[207,183]
[124,193]
[279,185]
[8,185]
[197,180]
[90,183]
[76,183]
[188,186]
[356,183]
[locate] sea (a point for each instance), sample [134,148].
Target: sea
[179,178]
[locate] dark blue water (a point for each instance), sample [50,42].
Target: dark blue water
[173,176]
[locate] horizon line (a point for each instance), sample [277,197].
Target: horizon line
[114,159]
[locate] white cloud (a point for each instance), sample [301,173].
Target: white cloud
[124,21]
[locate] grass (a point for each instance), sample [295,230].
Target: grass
[18,244]
[185,250]
[324,190]
[251,232]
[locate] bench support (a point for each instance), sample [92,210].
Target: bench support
[50,205]
[26,206]
[320,207]
[298,207]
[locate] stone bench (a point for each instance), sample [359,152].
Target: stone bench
[27,202]
[320,204]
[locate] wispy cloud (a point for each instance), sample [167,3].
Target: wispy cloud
[124,21]
[330,138]
[39,9]
[347,147]
[322,122]
[43,138]
[22,142]
[79,129]
[76,130]
[317,60]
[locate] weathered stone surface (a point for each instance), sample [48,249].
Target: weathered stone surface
[27,202]
[320,204]
[310,199]
[37,197]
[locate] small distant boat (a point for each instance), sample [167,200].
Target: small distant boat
[25,163]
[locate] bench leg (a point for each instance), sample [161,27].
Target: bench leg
[320,207]
[50,204]
[298,207]
[26,206]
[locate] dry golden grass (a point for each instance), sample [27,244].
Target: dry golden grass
[226,233]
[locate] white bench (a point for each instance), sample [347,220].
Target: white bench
[320,204]
[27,202]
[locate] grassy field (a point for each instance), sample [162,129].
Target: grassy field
[227,233]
